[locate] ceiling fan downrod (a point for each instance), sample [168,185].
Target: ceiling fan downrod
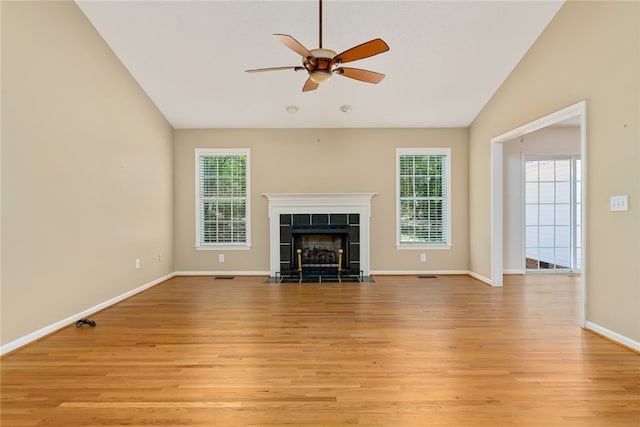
[320,26]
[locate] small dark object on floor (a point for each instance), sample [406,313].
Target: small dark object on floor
[83,321]
[224,277]
[428,276]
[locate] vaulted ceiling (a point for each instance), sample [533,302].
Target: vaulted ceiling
[446,58]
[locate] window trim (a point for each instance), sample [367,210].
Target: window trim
[199,152]
[425,151]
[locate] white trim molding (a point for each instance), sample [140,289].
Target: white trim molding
[482,278]
[419,272]
[40,333]
[513,271]
[224,248]
[318,203]
[222,273]
[613,336]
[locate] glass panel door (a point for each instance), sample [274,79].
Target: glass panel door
[550,229]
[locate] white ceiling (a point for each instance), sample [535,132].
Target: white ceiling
[446,58]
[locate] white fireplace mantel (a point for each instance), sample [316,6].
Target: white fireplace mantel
[318,203]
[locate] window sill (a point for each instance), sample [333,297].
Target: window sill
[422,247]
[223,248]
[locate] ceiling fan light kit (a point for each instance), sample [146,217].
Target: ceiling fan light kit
[322,63]
[320,76]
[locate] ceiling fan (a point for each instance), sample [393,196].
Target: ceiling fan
[322,63]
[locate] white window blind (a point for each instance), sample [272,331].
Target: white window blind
[222,197]
[423,197]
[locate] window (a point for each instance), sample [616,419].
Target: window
[423,198]
[222,199]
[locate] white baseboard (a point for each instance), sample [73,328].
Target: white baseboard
[513,271]
[34,336]
[416,272]
[222,273]
[481,278]
[613,336]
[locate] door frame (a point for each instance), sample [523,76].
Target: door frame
[497,197]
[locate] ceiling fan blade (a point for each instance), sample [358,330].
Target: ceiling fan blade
[362,75]
[260,70]
[294,45]
[310,85]
[364,50]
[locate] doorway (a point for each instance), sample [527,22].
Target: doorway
[573,112]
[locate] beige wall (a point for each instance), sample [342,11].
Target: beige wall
[590,51]
[86,171]
[320,161]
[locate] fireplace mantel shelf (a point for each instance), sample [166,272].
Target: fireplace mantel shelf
[318,196]
[318,199]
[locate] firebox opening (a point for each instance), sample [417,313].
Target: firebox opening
[320,250]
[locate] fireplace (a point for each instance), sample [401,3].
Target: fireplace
[319,236]
[320,245]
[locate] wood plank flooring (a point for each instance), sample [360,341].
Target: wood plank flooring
[404,351]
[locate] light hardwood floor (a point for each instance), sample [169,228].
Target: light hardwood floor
[404,351]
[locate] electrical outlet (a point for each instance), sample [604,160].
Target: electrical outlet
[221,258]
[423,257]
[137,263]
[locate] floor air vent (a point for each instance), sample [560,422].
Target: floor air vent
[427,276]
[224,277]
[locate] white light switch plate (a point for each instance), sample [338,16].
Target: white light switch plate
[619,203]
